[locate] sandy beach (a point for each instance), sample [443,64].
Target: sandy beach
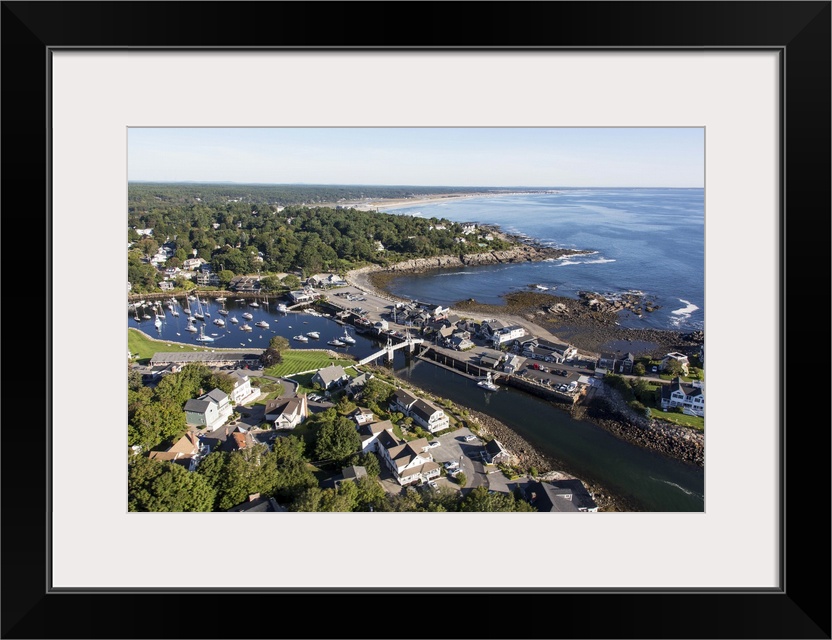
[376,204]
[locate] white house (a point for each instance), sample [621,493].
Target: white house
[402,401]
[192,264]
[301,296]
[377,435]
[211,410]
[429,416]
[691,397]
[410,462]
[243,391]
[287,413]
[507,334]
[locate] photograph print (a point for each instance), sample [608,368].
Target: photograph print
[416,319]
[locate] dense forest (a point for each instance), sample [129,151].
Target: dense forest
[245,230]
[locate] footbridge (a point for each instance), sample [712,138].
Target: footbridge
[408,342]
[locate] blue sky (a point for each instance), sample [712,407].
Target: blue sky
[463,157]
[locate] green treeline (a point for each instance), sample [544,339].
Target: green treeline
[249,235]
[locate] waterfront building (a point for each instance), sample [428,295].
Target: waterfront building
[691,397]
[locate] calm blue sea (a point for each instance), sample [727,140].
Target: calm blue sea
[647,240]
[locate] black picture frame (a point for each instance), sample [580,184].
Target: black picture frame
[799,31]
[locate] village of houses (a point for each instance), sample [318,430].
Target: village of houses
[230,422]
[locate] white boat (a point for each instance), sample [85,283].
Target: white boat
[222,312]
[198,313]
[262,324]
[247,316]
[337,343]
[222,299]
[191,327]
[158,322]
[219,322]
[301,338]
[202,337]
[313,334]
[240,300]
[347,338]
[253,304]
[146,315]
[192,298]
[488,383]
[234,320]
[245,327]
[541,287]
[282,308]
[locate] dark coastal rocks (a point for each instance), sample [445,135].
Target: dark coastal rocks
[609,410]
[522,253]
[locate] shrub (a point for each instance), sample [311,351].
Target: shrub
[461,479]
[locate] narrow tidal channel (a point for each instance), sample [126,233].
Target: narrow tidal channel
[644,478]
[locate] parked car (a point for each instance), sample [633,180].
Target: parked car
[654,368]
[451,464]
[434,444]
[470,437]
[564,372]
[432,484]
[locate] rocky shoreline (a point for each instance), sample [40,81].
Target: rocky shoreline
[608,410]
[519,253]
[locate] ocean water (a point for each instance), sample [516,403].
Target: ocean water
[643,240]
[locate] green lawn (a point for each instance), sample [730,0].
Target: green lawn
[681,419]
[302,360]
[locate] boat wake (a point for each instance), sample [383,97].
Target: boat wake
[682,489]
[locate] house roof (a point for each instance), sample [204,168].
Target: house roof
[331,374]
[187,444]
[354,472]
[545,497]
[404,398]
[406,451]
[258,504]
[197,406]
[494,447]
[423,468]
[283,406]
[423,409]
[217,395]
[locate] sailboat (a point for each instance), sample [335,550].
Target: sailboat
[245,327]
[233,320]
[282,308]
[262,324]
[202,337]
[190,326]
[158,322]
[247,316]
[223,311]
[347,338]
[187,308]
[219,322]
[198,313]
